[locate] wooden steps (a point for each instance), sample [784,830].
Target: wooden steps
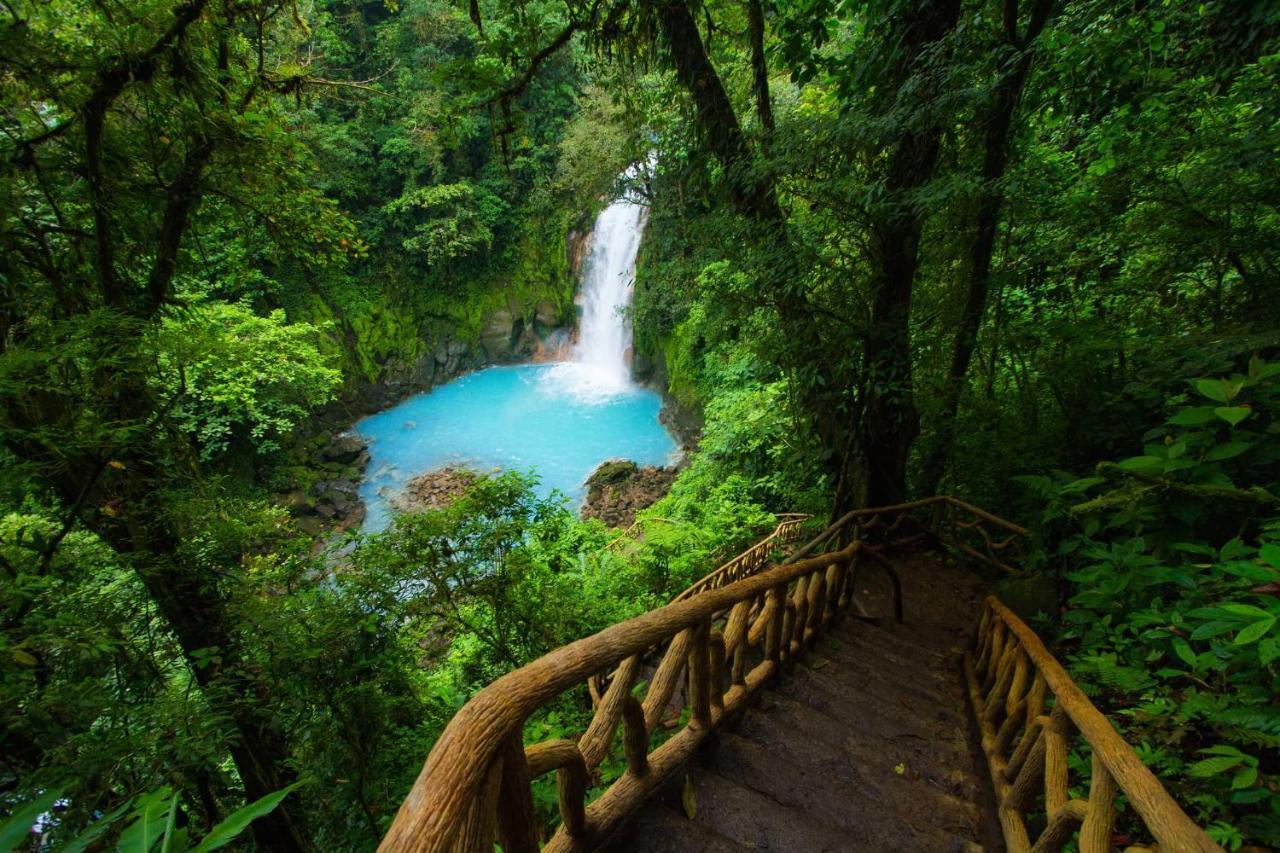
[864,744]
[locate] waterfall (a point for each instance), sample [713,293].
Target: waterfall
[601,363]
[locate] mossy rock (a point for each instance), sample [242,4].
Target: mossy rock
[613,471]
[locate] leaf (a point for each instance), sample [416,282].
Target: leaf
[1184,651]
[1207,767]
[14,831]
[149,821]
[1230,450]
[1269,650]
[1247,611]
[1212,629]
[1244,778]
[1214,389]
[1195,416]
[168,827]
[237,821]
[687,800]
[1256,631]
[1271,553]
[1233,414]
[1142,464]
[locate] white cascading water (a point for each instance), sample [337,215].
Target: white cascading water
[601,365]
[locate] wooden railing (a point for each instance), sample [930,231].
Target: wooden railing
[943,520]
[722,646]
[700,659]
[1027,708]
[789,529]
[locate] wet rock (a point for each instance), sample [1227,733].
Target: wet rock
[344,450]
[619,488]
[577,245]
[545,316]
[611,472]
[499,335]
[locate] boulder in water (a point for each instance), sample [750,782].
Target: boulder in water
[344,449]
[434,489]
[620,488]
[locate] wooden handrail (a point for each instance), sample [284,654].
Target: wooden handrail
[945,525]
[1026,706]
[715,648]
[790,525]
[454,802]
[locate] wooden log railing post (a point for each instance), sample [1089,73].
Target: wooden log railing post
[1095,833]
[716,679]
[774,633]
[700,675]
[635,742]
[572,780]
[517,821]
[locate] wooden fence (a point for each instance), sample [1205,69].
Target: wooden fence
[789,529]
[1027,708]
[707,654]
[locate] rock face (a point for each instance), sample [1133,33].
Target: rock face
[434,490]
[619,488]
[333,502]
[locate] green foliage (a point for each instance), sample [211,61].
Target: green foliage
[1173,565]
[152,824]
[233,372]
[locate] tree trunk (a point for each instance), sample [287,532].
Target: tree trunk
[999,123]
[889,422]
[760,72]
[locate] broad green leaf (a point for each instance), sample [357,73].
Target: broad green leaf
[1233,414]
[1213,629]
[1195,416]
[1142,464]
[1256,631]
[15,830]
[1184,651]
[1248,611]
[1271,554]
[148,824]
[1214,389]
[1244,778]
[1213,766]
[1229,450]
[1234,549]
[236,823]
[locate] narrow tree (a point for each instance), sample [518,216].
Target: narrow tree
[1014,59]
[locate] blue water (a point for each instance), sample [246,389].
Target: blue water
[552,419]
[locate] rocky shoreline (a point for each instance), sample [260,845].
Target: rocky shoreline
[434,489]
